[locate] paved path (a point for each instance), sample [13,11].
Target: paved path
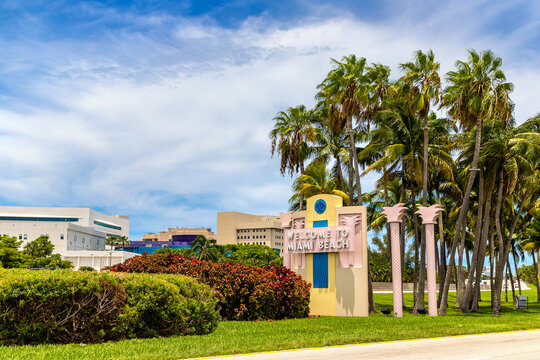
[523,345]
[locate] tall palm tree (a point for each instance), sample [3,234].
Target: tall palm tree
[344,89]
[422,86]
[291,137]
[478,91]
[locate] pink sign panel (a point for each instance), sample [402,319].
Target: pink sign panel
[320,240]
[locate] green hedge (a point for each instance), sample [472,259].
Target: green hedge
[64,306]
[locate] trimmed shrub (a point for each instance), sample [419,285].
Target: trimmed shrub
[65,306]
[244,292]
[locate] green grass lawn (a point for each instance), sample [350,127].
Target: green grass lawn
[245,337]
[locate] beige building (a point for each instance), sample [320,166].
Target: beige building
[239,228]
[168,235]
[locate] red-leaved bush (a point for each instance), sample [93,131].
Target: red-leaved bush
[244,292]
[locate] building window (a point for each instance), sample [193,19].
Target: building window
[20,236]
[61,236]
[107,225]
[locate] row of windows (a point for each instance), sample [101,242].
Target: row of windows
[248,237]
[257,230]
[253,243]
[36,218]
[251,230]
[26,236]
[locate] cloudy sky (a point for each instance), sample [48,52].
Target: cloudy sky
[160,110]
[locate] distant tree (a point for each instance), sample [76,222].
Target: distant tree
[168,250]
[41,247]
[53,261]
[10,256]
[115,240]
[204,249]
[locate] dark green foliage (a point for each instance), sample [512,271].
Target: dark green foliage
[244,292]
[380,262]
[86,268]
[253,254]
[40,247]
[528,274]
[10,256]
[65,306]
[36,254]
[247,254]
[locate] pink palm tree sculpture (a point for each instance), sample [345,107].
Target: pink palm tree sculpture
[429,214]
[393,217]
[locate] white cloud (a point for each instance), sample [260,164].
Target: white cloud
[171,132]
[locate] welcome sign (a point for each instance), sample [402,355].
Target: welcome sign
[314,240]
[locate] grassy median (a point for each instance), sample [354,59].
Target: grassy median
[245,337]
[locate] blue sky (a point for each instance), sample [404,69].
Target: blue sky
[160,110]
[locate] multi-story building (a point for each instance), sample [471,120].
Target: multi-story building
[239,228]
[69,229]
[175,238]
[176,233]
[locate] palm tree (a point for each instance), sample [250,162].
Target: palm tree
[204,249]
[331,145]
[291,136]
[422,86]
[478,91]
[345,91]
[317,180]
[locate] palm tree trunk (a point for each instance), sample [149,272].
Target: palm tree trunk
[491,261]
[424,203]
[483,242]
[442,256]
[516,267]
[356,168]
[419,303]
[506,286]
[301,195]
[459,274]
[477,243]
[536,267]
[352,156]
[505,252]
[511,279]
[461,218]
[340,174]
[371,300]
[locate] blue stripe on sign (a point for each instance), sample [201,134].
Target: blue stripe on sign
[320,263]
[320,223]
[320,271]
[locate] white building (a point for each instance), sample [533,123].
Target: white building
[69,229]
[97,259]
